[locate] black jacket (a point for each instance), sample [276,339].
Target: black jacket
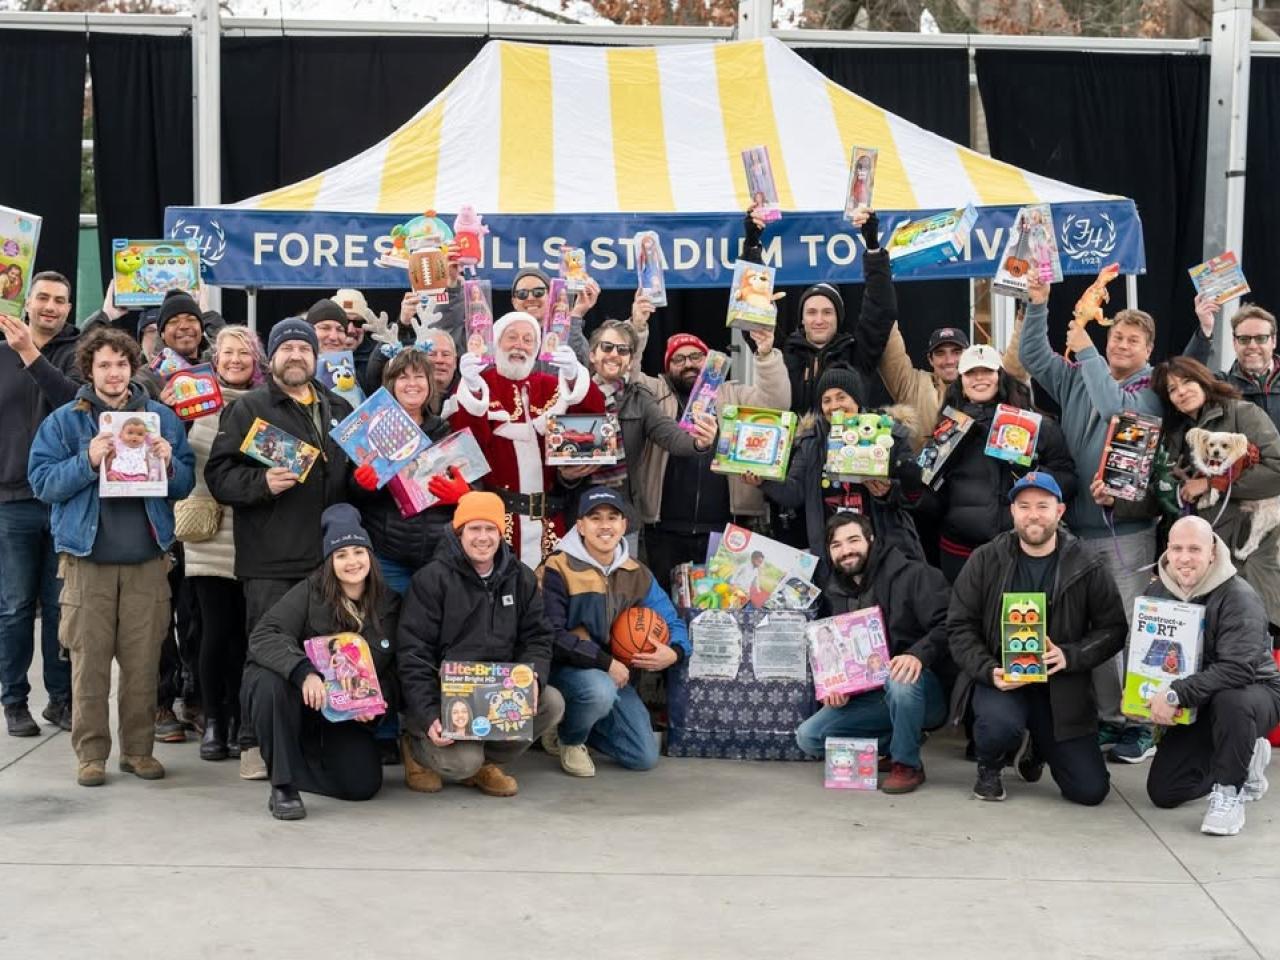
[450,613]
[276,643]
[277,537]
[1086,618]
[27,396]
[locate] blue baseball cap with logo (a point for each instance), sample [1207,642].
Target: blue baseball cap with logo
[1038,479]
[601,497]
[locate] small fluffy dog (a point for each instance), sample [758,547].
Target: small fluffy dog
[1229,455]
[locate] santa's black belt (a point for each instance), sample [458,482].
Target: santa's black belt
[535,506]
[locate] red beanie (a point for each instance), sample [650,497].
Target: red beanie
[682,340]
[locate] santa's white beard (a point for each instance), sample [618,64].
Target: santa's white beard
[508,368]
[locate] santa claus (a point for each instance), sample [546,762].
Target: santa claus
[506,408]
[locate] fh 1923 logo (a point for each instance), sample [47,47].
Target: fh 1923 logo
[209,238]
[1088,240]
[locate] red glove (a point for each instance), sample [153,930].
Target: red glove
[448,488]
[367,477]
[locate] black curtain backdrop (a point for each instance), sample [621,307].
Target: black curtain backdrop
[1262,188]
[1128,124]
[43,71]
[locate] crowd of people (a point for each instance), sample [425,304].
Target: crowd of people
[204,598]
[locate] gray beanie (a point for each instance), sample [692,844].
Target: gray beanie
[292,328]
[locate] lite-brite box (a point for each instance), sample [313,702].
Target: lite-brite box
[754,440]
[351,689]
[935,239]
[132,468]
[1166,643]
[650,278]
[487,701]
[752,563]
[761,186]
[381,434]
[1031,251]
[862,178]
[270,445]
[145,270]
[952,427]
[751,297]
[1022,637]
[859,446]
[196,392]
[848,653]
[1013,435]
[1129,454]
[1219,278]
[19,236]
[851,764]
[582,438]
[702,398]
[337,371]
[478,295]
[409,487]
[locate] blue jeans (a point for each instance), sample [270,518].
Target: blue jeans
[895,716]
[29,573]
[396,574]
[597,713]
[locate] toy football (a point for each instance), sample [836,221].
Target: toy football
[637,631]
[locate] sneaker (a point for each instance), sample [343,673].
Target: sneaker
[168,728]
[1108,736]
[417,777]
[1225,817]
[903,778]
[551,742]
[191,716]
[1027,761]
[252,766]
[1136,744]
[18,719]
[1255,782]
[92,773]
[576,760]
[492,782]
[143,767]
[989,785]
[58,712]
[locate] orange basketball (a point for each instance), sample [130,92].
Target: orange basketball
[635,631]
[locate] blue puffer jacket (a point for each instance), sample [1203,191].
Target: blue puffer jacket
[60,475]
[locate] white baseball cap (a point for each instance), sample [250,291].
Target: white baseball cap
[980,355]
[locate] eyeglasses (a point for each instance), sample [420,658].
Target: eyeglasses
[621,349]
[685,359]
[536,293]
[1258,338]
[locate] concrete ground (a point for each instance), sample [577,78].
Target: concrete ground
[696,859]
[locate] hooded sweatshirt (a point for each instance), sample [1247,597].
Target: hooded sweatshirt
[28,395]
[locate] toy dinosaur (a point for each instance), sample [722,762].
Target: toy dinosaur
[1089,306]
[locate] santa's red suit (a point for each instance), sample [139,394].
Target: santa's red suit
[508,419]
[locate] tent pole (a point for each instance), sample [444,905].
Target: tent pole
[1224,174]
[1131,291]
[251,308]
[206,40]
[755,19]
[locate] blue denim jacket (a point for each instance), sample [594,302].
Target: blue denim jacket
[61,476]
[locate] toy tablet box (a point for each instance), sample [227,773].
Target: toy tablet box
[1220,278]
[754,440]
[755,565]
[952,427]
[761,187]
[19,236]
[848,653]
[702,398]
[1031,251]
[273,447]
[851,764]
[478,296]
[487,701]
[862,178]
[145,270]
[350,680]
[1166,643]
[1013,435]
[650,279]
[131,467]
[860,446]
[573,268]
[1128,455]
[556,324]
[751,297]
[1022,637]
[337,371]
[409,486]
[937,239]
[379,433]
[582,438]
[196,392]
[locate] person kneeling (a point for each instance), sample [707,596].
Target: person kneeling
[474,602]
[302,749]
[1236,692]
[1055,722]
[587,583]
[912,596]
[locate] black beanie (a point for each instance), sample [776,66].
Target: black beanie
[823,290]
[176,303]
[340,527]
[844,378]
[529,272]
[323,310]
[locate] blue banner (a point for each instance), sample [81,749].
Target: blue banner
[280,249]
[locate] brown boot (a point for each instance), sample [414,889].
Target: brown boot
[492,782]
[416,776]
[146,768]
[92,773]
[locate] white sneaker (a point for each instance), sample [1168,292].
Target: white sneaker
[551,742]
[1225,816]
[252,766]
[576,761]
[1255,781]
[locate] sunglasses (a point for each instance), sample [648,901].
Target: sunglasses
[621,349]
[536,293]
[1257,338]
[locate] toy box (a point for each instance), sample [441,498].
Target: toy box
[1013,435]
[478,295]
[487,701]
[19,235]
[555,322]
[573,268]
[379,433]
[409,486]
[761,187]
[131,467]
[167,362]
[694,588]
[650,279]
[469,231]
[937,239]
[754,440]
[952,427]
[274,447]
[754,565]
[859,446]
[1031,251]
[196,392]
[702,398]
[1022,637]
[425,232]
[862,178]
[848,653]
[337,371]
[1129,454]
[145,270]
[751,297]
[1166,643]
[351,688]
[1219,278]
[793,593]
[852,764]
[582,438]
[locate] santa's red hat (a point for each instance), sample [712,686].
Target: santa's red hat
[517,316]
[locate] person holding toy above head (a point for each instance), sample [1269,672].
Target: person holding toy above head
[587,583]
[1236,691]
[529,295]
[1255,371]
[1055,722]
